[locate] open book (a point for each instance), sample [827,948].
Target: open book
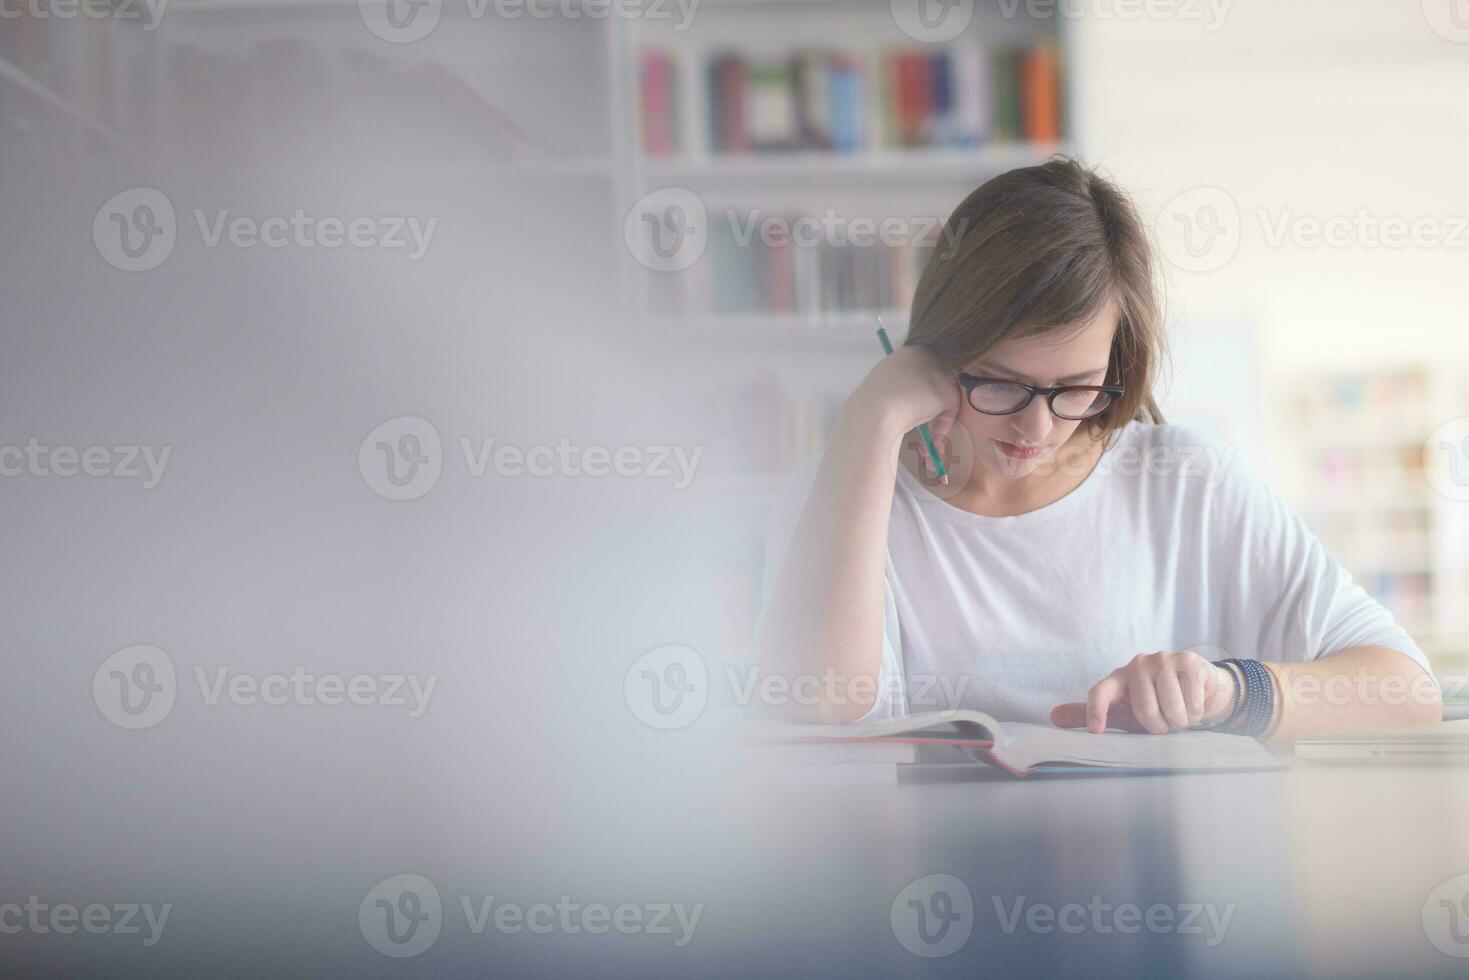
[1021,748]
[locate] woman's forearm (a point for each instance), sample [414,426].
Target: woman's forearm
[1356,689]
[825,617]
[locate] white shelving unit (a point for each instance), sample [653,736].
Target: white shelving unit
[889,182]
[1356,448]
[756,353]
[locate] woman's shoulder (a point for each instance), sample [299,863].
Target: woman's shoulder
[1172,450]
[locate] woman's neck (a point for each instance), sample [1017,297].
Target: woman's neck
[989,494]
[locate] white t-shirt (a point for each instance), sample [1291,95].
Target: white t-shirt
[1172,542]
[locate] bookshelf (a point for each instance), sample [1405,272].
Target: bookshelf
[812,108]
[787,356]
[1355,447]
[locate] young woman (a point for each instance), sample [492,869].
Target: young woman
[1086,562]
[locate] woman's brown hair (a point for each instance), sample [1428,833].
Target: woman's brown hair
[1040,248]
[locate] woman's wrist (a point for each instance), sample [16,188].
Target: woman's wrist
[1226,695]
[869,418]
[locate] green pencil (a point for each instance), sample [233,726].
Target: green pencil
[938,464]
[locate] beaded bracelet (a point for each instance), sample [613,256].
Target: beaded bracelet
[1262,698]
[1255,712]
[1239,693]
[1282,720]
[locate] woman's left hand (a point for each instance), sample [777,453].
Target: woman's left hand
[1155,692]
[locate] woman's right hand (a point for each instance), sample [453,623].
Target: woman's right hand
[905,390]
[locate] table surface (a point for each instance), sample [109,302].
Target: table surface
[1321,869]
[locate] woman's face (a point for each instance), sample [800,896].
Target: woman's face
[1014,446]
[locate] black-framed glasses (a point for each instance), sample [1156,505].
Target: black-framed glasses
[1000,396]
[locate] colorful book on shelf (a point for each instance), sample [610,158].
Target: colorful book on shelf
[1041,92]
[915,98]
[810,81]
[769,106]
[726,104]
[658,103]
[1006,64]
[973,96]
[844,96]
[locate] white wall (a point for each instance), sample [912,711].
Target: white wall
[1319,107]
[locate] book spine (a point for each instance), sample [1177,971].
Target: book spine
[941,129]
[656,106]
[819,75]
[734,109]
[714,105]
[1007,96]
[1041,92]
[974,96]
[838,103]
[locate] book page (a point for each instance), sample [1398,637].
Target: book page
[1028,745]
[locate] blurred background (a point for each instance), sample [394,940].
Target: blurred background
[332,256]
